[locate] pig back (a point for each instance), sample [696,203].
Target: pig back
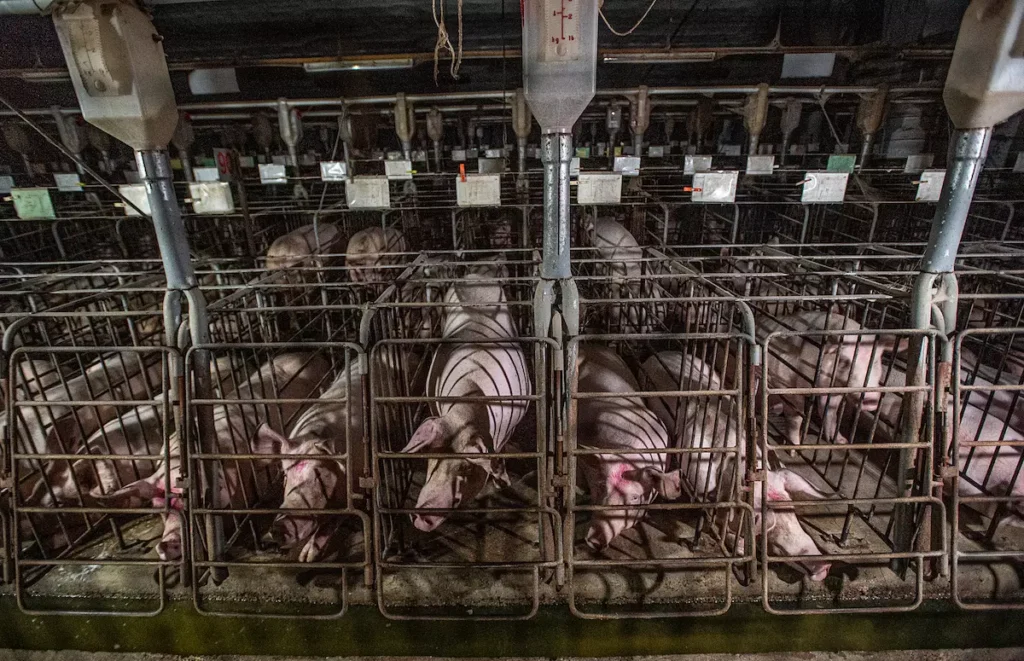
[702,422]
[615,423]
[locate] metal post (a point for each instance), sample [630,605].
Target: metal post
[155,172]
[969,149]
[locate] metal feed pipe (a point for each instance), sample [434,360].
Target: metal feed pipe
[503,97]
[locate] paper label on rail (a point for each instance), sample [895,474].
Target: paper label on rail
[212,198]
[246,162]
[367,192]
[419,156]
[918,162]
[656,151]
[760,164]
[205,174]
[272,173]
[694,164]
[136,194]
[490,165]
[574,167]
[333,171]
[627,166]
[599,188]
[929,185]
[399,170]
[32,203]
[68,182]
[841,163]
[6,184]
[223,158]
[478,190]
[717,187]
[823,187]
[1018,165]
[458,155]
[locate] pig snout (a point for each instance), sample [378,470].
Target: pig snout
[870,401]
[427,522]
[817,571]
[600,534]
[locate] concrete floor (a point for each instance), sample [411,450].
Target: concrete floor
[1012,654]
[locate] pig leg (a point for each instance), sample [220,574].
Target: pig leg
[317,543]
[827,407]
[169,547]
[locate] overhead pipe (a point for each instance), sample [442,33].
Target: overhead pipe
[72,136]
[870,112]
[345,135]
[263,132]
[755,112]
[613,123]
[790,122]
[522,123]
[184,137]
[405,124]
[17,139]
[499,97]
[435,131]
[639,118]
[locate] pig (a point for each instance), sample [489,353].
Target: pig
[629,481]
[985,470]
[238,428]
[62,428]
[294,247]
[329,426]
[700,424]
[371,251]
[475,366]
[136,432]
[620,259]
[853,361]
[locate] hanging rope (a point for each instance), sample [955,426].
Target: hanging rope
[630,30]
[444,41]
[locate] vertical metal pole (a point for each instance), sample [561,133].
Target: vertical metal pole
[155,172]
[969,149]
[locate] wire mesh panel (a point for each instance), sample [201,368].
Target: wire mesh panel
[276,509]
[832,397]
[984,444]
[633,548]
[465,526]
[83,423]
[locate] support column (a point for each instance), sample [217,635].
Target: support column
[969,149]
[155,172]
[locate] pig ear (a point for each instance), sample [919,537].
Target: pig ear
[268,441]
[428,436]
[797,485]
[496,471]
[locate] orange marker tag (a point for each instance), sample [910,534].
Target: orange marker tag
[462,172]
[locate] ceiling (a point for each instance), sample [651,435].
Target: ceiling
[894,40]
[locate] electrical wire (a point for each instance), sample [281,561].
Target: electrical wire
[630,30]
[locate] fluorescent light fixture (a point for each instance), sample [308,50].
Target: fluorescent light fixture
[358,65]
[659,58]
[213,81]
[52,76]
[808,65]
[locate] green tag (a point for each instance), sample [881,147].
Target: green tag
[841,162]
[32,203]
[583,152]
[207,163]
